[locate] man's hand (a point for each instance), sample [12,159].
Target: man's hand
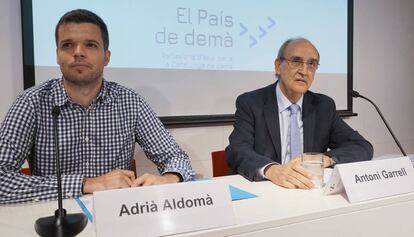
[112,180]
[327,161]
[289,175]
[151,179]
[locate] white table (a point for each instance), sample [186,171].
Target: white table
[276,212]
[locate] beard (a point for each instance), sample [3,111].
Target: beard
[82,78]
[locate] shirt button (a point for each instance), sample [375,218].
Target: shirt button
[69,195]
[86,139]
[86,164]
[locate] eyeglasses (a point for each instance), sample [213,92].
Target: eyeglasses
[296,63]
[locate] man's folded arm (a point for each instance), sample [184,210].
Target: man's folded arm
[17,187]
[16,141]
[240,155]
[159,145]
[346,144]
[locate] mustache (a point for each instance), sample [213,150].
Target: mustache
[80,63]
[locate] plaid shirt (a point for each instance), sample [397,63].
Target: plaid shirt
[92,141]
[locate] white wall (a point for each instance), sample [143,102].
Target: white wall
[11,69]
[383,71]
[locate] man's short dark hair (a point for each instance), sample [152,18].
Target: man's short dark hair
[84,16]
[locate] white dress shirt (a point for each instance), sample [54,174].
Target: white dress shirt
[283,104]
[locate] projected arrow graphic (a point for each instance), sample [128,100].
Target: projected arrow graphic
[253,41]
[243,29]
[263,31]
[271,21]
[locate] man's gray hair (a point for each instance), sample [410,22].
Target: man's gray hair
[281,53]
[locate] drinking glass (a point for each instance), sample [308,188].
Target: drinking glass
[313,163]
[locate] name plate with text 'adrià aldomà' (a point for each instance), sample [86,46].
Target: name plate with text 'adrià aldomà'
[163,209]
[372,179]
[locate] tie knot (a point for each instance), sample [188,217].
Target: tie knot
[293,108]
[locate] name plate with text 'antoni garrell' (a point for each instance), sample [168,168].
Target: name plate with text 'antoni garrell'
[372,179]
[163,209]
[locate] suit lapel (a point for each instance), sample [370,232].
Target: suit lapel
[271,115]
[308,118]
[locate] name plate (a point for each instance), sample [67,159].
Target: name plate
[372,179]
[163,209]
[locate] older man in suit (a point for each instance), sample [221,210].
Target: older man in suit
[277,123]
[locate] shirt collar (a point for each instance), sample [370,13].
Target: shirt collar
[61,97]
[283,102]
[104,93]
[59,93]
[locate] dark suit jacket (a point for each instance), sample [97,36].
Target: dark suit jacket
[255,140]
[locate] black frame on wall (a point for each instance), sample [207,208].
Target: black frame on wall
[173,121]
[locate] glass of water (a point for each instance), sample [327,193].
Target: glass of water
[313,163]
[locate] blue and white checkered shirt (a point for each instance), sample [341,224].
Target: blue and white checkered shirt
[92,141]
